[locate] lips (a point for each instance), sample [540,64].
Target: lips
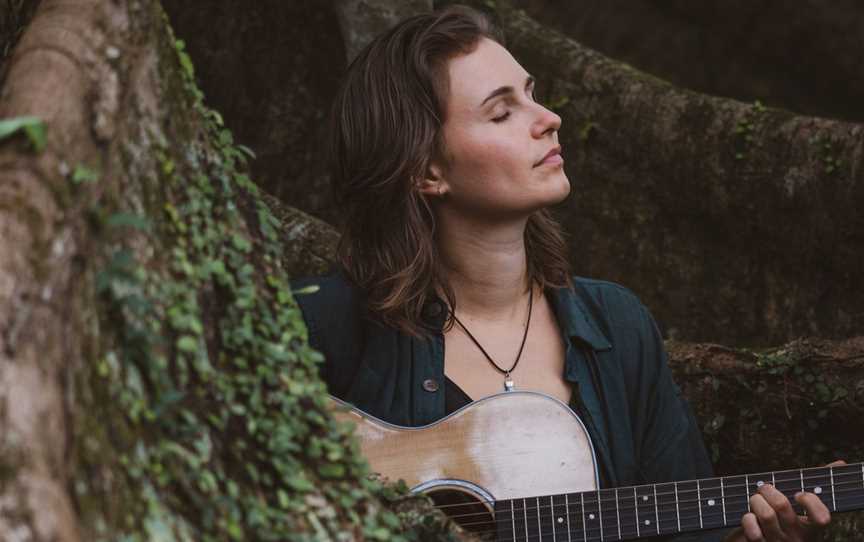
[554,151]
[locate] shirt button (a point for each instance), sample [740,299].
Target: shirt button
[430,385]
[433,309]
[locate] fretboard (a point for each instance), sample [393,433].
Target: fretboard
[628,513]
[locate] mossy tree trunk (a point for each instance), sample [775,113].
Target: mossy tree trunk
[155,380]
[801,56]
[154,375]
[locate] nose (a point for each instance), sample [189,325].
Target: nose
[547,122]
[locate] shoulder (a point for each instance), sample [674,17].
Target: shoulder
[615,308]
[622,319]
[332,308]
[322,293]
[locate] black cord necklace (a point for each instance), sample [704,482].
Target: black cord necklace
[508,382]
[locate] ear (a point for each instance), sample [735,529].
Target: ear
[433,184]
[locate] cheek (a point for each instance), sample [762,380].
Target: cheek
[485,161]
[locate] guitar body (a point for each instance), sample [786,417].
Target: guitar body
[519,465]
[500,447]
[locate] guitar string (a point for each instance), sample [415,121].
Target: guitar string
[627,508]
[689,515]
[585,531]
[625,528]
[605,500]
[612,536]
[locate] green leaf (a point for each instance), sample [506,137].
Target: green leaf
[331,470]
[187,343]
[246,150]
[128,219]
[83,174]
[33,128]
[306,290]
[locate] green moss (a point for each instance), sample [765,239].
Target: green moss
[745,129]
[825,151]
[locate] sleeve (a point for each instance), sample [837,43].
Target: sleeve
[331,312]
[671,446]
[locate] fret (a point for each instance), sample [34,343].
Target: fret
[519,520]
[561,516]
[711,503]
[532,520]
[591,514]
[608,514]
[818,482]
[646,511]
[848,487]
[627,513]
[688,505]
[736,500]
[667,507]
[789,482]
[699,502]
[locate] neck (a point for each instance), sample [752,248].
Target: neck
[486,267]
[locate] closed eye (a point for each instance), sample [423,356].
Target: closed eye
[501,118]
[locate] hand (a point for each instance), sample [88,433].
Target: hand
[772,518]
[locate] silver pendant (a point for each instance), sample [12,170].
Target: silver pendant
[508,383]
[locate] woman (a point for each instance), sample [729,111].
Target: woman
[454,280]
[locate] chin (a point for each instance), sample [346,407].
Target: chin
[562,189]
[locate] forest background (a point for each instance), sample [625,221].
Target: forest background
[161,181]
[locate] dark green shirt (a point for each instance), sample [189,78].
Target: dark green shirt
[641,427]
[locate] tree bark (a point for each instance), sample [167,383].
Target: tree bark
[736,223]
[155,379]
[800,56]
[362,20]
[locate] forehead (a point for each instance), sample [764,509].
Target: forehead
[475,75]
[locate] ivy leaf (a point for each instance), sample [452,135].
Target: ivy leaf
[83,174]
[128,219]
[33,128]
[331,470]
[187,343]
[311,289]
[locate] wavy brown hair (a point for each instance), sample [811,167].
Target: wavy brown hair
[385,127]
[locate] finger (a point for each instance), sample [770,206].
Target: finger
[750,528]
[766,515]
[818,515]
[838,463]
[787,519]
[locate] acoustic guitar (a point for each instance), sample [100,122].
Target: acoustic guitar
[519,465]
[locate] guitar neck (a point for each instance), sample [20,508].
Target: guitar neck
[628,513]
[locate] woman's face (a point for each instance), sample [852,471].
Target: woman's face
[496,138]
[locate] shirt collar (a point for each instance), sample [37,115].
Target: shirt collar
[575,319]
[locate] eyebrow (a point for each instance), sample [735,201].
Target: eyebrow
[500,91]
